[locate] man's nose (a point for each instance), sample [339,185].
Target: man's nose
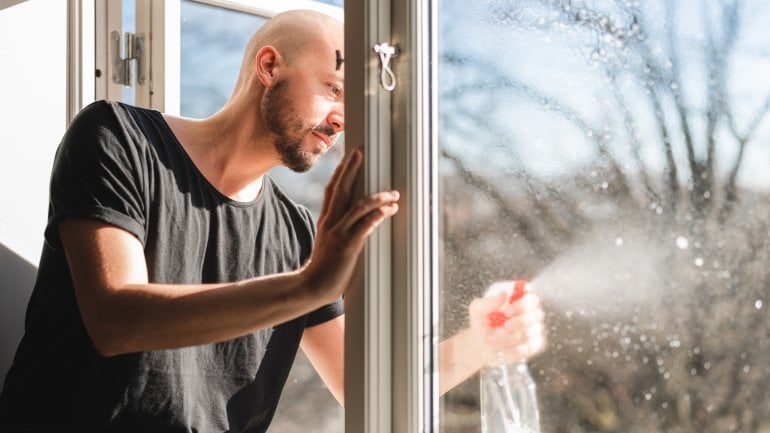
[336,120]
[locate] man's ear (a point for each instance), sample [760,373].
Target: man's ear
[266,65]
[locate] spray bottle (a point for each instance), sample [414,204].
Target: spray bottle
[508,395]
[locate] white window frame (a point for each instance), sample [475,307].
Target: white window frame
[391,308]
[80,56]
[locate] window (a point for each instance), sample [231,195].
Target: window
[613,154]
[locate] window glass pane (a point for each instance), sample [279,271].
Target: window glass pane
[614,153]
[213,40]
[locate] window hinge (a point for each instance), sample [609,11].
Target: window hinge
[134,50]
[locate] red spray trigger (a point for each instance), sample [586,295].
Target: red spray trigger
[498,318]
[519,289]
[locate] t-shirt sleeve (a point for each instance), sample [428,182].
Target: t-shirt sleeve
[97,173]
[326,313]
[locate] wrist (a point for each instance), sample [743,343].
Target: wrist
[314,283]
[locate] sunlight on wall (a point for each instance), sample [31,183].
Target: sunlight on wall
[33,109]
[33,112]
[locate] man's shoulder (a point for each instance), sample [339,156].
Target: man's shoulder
[104,112]
[105,129]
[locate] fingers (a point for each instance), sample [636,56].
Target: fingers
[337,193]
[515,336]
[523,333]
[533,346]
[368,212]
[523,343]
[529,302]
[331,186]
[364,226]
[524,316]
[368,205]
[348,175]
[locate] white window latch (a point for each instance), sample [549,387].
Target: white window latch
[386,52]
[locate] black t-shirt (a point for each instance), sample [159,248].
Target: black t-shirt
[123,165]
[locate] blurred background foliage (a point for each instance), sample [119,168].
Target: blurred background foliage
[614,153]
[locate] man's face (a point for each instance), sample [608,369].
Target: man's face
[288,105]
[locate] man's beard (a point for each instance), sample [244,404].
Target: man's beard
[289,129]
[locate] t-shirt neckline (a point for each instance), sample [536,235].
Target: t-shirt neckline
[225,199]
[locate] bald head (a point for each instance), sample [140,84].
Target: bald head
[292,34]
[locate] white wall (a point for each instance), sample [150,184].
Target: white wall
[33,43]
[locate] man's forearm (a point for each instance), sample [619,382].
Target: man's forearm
[140,317]
[459,357]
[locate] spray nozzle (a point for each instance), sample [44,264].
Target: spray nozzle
[516,290]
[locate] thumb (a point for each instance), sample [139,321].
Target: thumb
[480,308]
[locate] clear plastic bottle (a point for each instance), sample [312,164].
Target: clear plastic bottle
[508,393]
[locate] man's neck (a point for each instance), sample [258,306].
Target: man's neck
[227,151]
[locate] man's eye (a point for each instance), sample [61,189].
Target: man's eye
[336,91]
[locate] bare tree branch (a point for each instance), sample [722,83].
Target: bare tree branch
[523,222]
[743,138]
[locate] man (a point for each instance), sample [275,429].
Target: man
[177,281]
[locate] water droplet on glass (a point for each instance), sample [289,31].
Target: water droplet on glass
[699,262]
[758,304]
[682,242]
[618,241]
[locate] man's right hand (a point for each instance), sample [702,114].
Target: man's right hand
[343,226]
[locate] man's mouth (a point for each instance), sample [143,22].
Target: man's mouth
[328,140]
[327,134]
